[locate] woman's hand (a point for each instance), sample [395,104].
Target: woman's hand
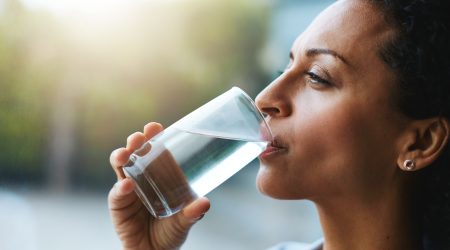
[136,227]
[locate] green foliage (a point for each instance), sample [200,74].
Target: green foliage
[22,120]
[91,83]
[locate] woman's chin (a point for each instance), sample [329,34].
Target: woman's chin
[269,185]
[274,184]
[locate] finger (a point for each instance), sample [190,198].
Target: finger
[194,211]
[121,195]
[135,141]
[118,158]
[152,128]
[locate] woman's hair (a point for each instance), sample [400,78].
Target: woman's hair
[419,53]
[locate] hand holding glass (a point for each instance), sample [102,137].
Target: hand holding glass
[198,153]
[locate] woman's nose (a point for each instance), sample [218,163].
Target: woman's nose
[274,101]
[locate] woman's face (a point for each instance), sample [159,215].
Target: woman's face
[331,111]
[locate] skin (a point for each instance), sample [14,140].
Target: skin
[330,130]
[339,141]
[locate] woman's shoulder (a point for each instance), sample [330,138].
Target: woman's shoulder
[317,245]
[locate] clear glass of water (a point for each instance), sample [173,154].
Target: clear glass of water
[198,153]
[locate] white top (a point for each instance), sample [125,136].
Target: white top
[317,245]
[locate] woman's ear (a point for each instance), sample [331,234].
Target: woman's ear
[423,142]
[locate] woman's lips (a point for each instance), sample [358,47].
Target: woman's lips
[275,147]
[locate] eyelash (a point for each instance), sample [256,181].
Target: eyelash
[317,79]
[312,76]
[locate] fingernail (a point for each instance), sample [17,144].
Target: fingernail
[199,218]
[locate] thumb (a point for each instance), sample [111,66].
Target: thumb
[194,212]
[175,229]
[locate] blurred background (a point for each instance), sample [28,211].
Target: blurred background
[78,76]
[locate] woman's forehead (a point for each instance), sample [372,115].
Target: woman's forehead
[352,27]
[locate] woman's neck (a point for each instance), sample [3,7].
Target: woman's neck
[387,220]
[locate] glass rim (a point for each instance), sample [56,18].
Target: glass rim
[260,114]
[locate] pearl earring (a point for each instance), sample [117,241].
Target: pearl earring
[409,165]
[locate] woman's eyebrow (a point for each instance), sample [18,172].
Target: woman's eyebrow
[318,51]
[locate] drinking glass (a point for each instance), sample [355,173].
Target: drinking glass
[198,152]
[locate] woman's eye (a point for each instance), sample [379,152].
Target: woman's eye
[315,79]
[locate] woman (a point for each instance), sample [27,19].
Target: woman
[361,119]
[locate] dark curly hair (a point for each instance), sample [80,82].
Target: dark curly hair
[419,53]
